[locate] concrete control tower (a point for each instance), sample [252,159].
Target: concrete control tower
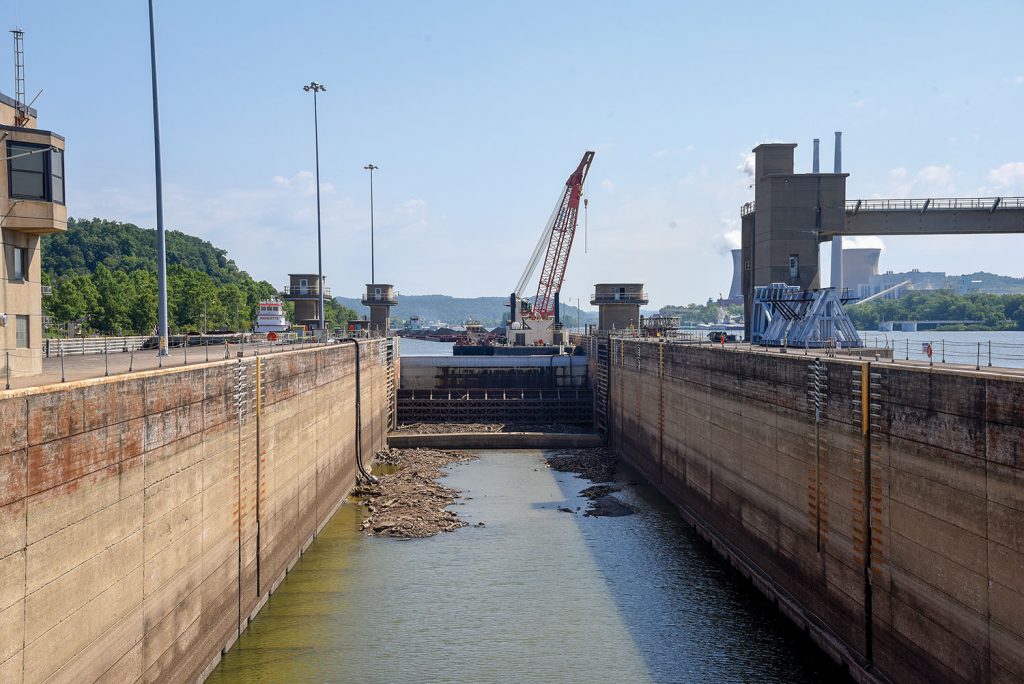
[618,304]
[380,297]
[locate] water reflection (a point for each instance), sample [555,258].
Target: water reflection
[536,595]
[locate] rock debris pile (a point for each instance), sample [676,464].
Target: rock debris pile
[596,465]
[409,503]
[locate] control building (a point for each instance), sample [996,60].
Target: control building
[304,290]
[618,305]
[32,205]
[380,297]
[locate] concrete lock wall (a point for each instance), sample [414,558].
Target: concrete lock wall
[145,518]
[892,529]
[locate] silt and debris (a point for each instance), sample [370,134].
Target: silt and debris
[409,503]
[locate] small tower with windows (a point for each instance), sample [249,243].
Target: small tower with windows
[380,297]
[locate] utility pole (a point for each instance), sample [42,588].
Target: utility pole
[161,245]
[315,88]
[371,168]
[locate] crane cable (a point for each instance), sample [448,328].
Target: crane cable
[585,203]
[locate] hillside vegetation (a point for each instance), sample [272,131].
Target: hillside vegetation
[103,275]
[995,312]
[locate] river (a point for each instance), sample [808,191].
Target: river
[537,595]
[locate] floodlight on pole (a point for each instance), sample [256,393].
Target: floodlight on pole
[315,88]
[161,245]
[371,168]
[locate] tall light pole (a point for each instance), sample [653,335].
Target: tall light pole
[371,168]
[161,245]
[315,88]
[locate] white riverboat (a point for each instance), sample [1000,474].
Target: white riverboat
[271,318]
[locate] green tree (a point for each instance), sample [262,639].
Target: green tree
[189,294]
[142,304]
[233,311]
[69,301]
[110,313]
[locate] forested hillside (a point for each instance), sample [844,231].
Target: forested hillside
[996,312]
[103,275]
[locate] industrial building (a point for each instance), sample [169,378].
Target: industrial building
[32,202]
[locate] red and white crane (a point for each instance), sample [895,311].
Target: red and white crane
[558,235]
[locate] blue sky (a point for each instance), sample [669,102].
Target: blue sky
[477,112]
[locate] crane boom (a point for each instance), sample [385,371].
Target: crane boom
[560,230]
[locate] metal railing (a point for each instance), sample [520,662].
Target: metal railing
[613,297]
[305,290]
[922,204]
[935,203]
[391,298]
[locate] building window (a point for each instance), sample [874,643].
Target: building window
[35,172]
[20,270]
[21,332]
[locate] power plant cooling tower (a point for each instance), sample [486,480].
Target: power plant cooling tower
[736,291]
[859,265]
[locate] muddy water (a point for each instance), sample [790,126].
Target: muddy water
[537,595]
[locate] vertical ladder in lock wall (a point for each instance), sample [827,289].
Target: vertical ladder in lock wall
[601,396]
[392,402]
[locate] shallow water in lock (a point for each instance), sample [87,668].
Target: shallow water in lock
[537,595]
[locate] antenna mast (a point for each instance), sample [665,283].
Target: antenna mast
[21,117]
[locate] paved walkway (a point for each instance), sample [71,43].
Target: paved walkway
[869,355]
[83,367]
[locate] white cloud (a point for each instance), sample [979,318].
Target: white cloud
[1008,175]
[747,165]
[607,185]
[930,181]
[663,152]
[1017,80]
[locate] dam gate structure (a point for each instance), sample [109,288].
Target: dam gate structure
[880,506]
[533,390]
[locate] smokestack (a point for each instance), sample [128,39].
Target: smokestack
[815,168]
[558,310]
[837,241]
[512,308]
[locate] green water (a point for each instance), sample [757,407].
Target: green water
[537,595]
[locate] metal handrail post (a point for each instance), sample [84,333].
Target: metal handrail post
[61,347]
[106,359]
[990,353]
